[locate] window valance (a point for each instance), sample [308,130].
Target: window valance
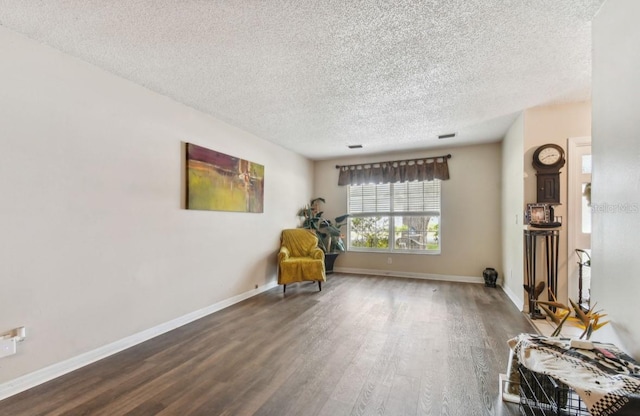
[422,169]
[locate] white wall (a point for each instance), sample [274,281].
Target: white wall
[470,223]
[94,243]
[615,282]
[512,211]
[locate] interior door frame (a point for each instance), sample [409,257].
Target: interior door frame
[573,209]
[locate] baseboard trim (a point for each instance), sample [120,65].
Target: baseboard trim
[20,384]
[512,296]
[425,276]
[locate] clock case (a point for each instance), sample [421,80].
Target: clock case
[548,176]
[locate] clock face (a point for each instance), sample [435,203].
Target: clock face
[549,156]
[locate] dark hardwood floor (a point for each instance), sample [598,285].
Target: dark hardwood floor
[364,345]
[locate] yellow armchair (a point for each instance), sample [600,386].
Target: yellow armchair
[299,258]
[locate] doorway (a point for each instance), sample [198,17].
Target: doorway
[579,220]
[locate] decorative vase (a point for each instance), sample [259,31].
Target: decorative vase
[490,277]
[329,259]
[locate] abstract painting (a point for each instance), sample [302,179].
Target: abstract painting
[219,182]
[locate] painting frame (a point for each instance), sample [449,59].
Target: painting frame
[217,181]
[539,213]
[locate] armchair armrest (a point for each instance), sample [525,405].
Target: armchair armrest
[316,253]
[283,254]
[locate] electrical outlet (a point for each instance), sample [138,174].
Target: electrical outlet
[389,260]
[7,347]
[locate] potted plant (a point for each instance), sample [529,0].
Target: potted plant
[328,232]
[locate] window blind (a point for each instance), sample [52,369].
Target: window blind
[406,198]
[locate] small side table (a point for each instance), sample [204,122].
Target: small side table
[551,247]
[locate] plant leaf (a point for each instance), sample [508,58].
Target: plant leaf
[579,313]
[587,332]
[598,326]
[554,304]
[341,218]
[559,327]
[550,314]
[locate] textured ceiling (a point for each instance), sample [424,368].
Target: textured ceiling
[316,76]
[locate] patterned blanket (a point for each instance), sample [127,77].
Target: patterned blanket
[606,379]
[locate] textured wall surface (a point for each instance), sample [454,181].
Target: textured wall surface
[318,76]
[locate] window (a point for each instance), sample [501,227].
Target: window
[395,217]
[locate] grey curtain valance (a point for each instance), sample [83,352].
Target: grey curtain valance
[422,169]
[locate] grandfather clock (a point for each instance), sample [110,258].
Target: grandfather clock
[547,160]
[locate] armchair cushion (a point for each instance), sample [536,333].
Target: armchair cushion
[299,258]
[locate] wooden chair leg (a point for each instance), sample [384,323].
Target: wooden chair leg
[320,285]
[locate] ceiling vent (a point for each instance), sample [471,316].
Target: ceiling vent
[446,136]
[355,146]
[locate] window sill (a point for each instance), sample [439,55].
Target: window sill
[387,252]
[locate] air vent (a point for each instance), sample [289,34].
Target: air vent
[355,146]
[446,136]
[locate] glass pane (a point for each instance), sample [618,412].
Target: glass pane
[417,233]
[586,163]
[369,232]
[586,210]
